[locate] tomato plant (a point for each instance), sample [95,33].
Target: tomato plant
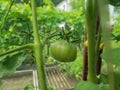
[92,25]
[16,36]
[16,27]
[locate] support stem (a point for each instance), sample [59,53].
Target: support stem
[107,38]
[38,49]
[91,27]
[85,59]
[98,52]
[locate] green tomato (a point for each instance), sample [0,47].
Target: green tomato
[63,51]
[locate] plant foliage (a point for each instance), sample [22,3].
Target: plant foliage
[9,63]
[83,85]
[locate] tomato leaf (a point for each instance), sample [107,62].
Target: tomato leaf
[115,58]
[9,63]
[103,87]
[85,85]
[29,87]
[3,58]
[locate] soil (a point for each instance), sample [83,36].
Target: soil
[17,81]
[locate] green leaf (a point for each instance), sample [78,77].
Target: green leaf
[104,79]
[117,80]
[3,58]
[26,1]
[103,87]
[10,63]
[85,85]
[50,88]
[29,87]
[115,58]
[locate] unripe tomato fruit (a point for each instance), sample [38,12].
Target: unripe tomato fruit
[63,51]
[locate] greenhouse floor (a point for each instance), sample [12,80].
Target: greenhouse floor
[18,80]
[57,79]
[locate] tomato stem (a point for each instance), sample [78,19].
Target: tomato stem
[107,38]
[38,49]
[27,46]
[91,17]
[5,17]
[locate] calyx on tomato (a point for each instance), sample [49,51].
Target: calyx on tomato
[63,51]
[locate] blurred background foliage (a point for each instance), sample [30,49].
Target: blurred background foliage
[53,24]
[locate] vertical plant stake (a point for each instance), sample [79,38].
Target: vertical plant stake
[38,49]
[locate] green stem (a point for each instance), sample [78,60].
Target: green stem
[91,27]
[105,19]
[27,46]
[49,37]
[110,76]
[6,15]
[38,49]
